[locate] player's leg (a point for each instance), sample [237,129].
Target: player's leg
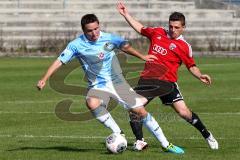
[152,125]
[98,108]
[184,112]
[134,102]
[135,120]
[128,99]
[175,99]
[191,117]
[136,126]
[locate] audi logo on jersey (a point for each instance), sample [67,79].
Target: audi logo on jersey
[159,49]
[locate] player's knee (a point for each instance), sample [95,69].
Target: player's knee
[134,117]
[140,112]
[93,103]
[99,111]
[185,113]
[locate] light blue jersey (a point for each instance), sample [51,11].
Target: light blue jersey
[97,58]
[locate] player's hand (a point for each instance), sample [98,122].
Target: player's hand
[41,84]
[150,58]
[205,79]
[122,8]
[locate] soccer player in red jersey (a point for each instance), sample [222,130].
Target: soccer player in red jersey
[171,50]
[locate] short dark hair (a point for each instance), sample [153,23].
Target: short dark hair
[88,18]
[177,16]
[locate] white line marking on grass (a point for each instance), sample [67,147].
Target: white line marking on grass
[237,98]
[217,98]
[225,113]
[100,137]
[53,136]
[204,113]
[37,102]
[6,112]
[218,64]
[80,100]
[29,102]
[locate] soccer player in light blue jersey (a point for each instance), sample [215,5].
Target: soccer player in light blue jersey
[94,50]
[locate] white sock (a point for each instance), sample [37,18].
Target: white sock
[155,129]
[103,116]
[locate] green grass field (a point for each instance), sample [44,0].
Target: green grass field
[30,130]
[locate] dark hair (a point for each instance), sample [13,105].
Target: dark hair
[177,16]
[88,18]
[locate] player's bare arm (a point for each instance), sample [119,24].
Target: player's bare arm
[122,9]
[42,82]
[202,77]
[130,50]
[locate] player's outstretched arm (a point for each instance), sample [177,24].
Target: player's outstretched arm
[202,77]
[122,9]
[130,50]
[42,82]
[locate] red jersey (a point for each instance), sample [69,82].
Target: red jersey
[170,53]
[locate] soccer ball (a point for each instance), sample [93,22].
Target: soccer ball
[116,143]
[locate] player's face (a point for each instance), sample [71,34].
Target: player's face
[92,31]
[175,29]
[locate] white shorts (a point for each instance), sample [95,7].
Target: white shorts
[121,92]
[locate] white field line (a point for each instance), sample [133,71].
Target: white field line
[37,102]
[10,112]
[218,64]
[100,137]
[56,101]
[29,102]
[236,98]
[203,113]
[225,113]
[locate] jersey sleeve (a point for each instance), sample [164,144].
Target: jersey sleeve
[118,41]
[187,56]
[68,53]
[147,31]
